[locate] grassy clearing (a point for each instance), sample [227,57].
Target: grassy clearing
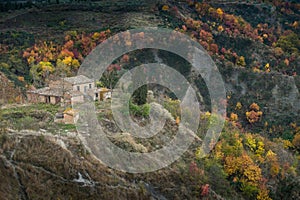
[32,116]
[31,107]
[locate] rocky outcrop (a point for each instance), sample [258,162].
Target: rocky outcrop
[43,166]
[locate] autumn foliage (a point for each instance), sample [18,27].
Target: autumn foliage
[45,57]
[254,114]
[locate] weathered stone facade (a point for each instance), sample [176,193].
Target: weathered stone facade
[67,90]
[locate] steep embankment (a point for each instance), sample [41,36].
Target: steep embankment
[42,166]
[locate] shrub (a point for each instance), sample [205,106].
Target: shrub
[296,141]
[173,106]
[254,114]
[289,42]
[233,117]
[26,122]
[249,190]
[140,95]
[241,61]
[139,110]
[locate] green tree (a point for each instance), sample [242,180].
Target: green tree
[140,95]
[41,72]
[111,76]
[289,42]
[36,78]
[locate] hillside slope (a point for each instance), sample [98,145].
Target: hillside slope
[256,47]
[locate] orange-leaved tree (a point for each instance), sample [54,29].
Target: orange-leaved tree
[254,114]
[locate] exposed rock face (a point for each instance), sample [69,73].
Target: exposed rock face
[35,166]
[40,165]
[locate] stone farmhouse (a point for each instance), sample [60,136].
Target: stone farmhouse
[68,90]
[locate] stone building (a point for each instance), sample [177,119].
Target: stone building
[70,116]
[68,90]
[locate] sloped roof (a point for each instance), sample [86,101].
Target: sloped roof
[75,93]
[46,91]
[80,79]
[71,112]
